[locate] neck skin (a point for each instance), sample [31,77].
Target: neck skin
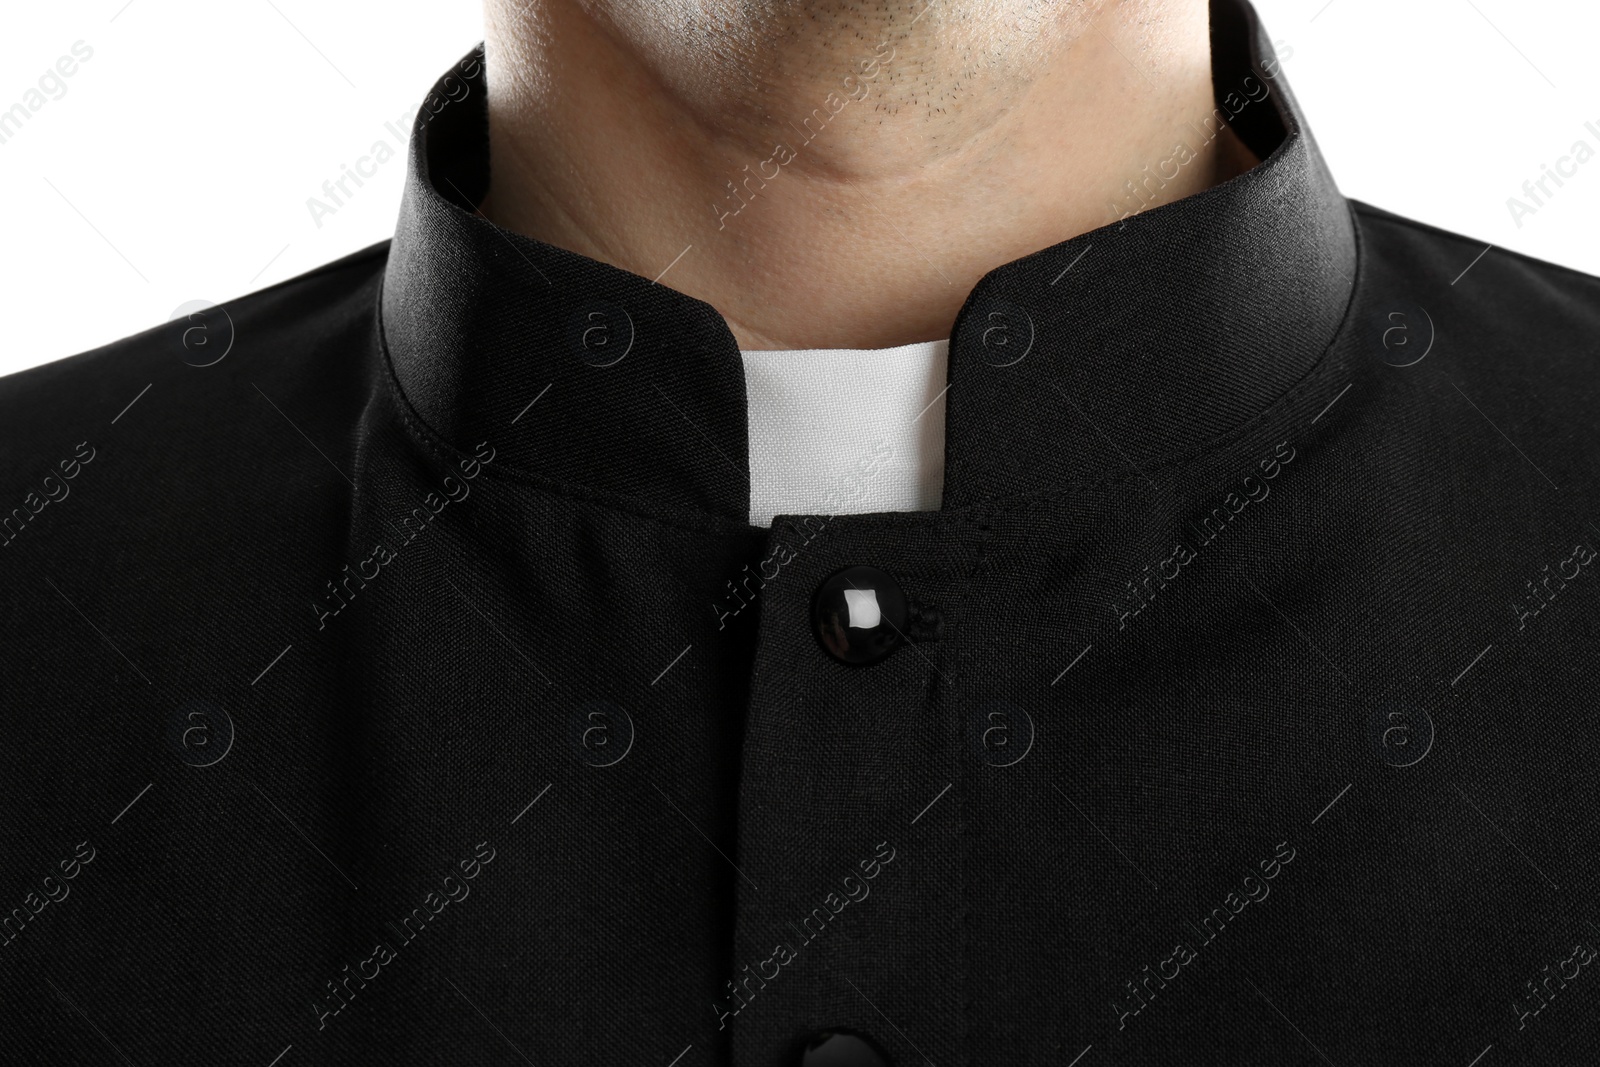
[841,173]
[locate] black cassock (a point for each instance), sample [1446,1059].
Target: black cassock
[391,674]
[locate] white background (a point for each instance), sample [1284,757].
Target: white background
[178,163]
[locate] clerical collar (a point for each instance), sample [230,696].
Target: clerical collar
[1114,351]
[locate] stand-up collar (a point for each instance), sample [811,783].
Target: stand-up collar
[1134,343]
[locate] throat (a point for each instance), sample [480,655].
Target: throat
[834,175]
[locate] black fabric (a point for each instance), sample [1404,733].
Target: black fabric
[360,712]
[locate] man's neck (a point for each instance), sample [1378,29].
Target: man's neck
[839,174]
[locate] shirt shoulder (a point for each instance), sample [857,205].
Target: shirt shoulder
[1501,321]
[122,462]
[307,330]
[1499,277]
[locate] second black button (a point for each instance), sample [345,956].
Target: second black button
[842,1048]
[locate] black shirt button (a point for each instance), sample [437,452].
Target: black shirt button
[859,615]
[841,1048]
